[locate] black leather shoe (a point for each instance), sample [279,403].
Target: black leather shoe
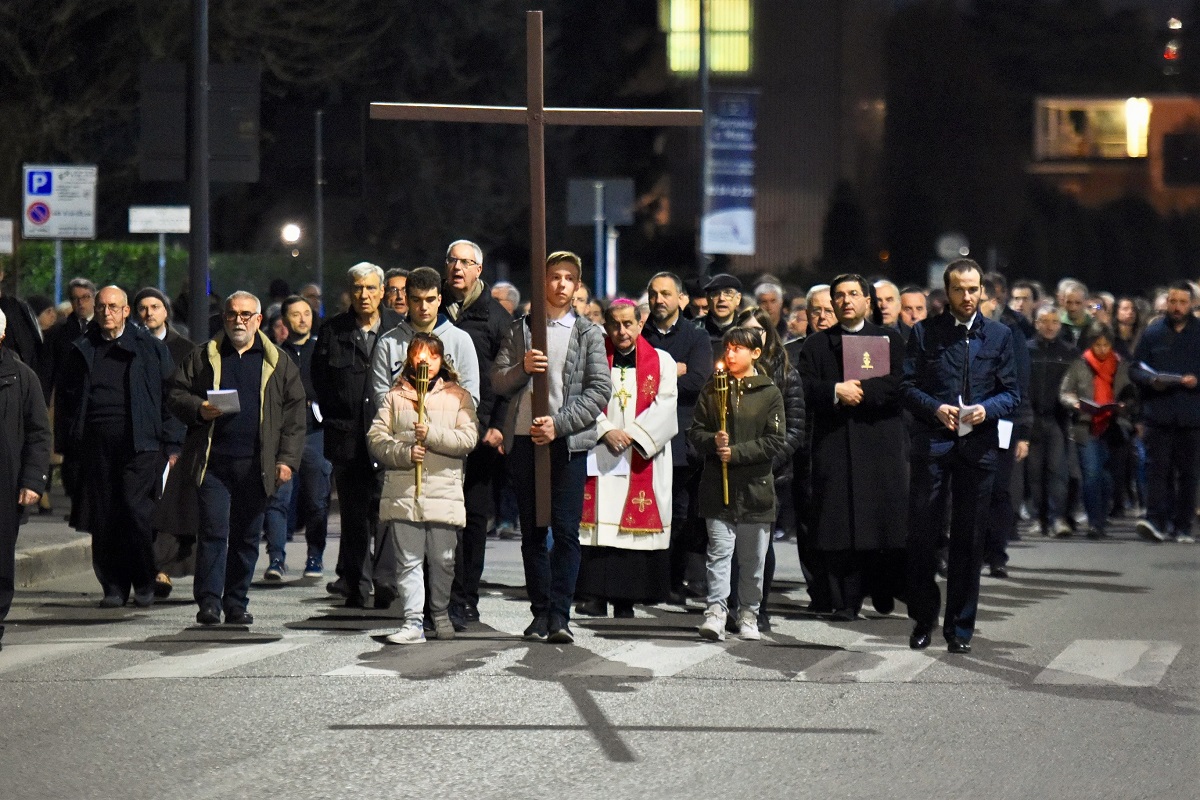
[144,599]
[592,608]
[112,601]
[355,602]
[238,616]
[621,611]
[384,597]
[998,571]
[208,615]
[764,622]
[920,638]
[471,613]
[884,604]
[957,644]
[337,587]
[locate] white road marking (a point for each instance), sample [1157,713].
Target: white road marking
[361,670]
[658,658]
[1100,661]
[868,665]
[206,661]
[17,656]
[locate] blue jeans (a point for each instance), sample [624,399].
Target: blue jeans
[232,504]
[750,539]
[1096,483]
[308,489]
[550,573]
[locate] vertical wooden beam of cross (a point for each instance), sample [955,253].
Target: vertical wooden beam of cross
[535,116]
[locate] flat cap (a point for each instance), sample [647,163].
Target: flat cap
[722,281]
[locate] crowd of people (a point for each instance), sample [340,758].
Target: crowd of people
[896,434]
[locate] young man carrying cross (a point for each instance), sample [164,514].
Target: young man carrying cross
[576,366]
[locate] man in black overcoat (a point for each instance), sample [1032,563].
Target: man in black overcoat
[860,472]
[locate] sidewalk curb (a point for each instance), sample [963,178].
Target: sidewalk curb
[50,561]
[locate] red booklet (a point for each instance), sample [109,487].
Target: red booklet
[866,357]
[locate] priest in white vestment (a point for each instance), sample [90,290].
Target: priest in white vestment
[626,529]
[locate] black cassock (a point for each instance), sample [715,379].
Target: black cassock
[860,467]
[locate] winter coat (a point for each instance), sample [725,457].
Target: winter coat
[155,428]
[487,323]
[1078,385]
[586,380]
[1165,350]
[757,435]
[341,375]
[792,389]
[281,410]
[24,427]
[687,344]
[453,433]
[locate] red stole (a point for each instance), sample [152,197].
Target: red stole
[641,507]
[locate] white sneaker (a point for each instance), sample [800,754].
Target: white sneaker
[748,626]
[1147,531]
[1185,539]
[409,634]
[713,627]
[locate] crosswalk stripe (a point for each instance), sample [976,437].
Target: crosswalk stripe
[658,659]
[868,666]
[1100,661]
[15,657]
[203,662]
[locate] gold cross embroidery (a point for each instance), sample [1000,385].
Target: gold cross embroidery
[641,501]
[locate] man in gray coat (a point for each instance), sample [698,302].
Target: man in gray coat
[577,368]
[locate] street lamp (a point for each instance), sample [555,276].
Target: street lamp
[290,234]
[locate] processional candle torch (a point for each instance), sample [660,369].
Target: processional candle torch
[721,387]
[422,389]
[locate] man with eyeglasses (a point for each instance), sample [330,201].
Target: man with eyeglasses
[469,304]
[724,293]
[341,373]
[394,297]
[121,433]
[237,458]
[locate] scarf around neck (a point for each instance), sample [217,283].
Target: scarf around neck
[1104,373]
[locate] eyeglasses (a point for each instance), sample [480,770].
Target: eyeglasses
[105,308]
[244,316]
[727,294]
[466,262]
[392,291]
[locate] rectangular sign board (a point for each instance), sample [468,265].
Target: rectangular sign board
[160,219]
[6,237]
[727,225]
[60,202]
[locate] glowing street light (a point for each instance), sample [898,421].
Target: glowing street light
[290,234]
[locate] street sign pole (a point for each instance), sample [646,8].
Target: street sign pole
[58,271]
[162,263]
[600,225]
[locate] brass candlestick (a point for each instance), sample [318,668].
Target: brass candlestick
[721,387]
[422,389]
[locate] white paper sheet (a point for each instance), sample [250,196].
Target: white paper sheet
[601,461]
[1005,429]
[226,400]
[963,427]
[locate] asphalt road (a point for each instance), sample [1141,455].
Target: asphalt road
[1083,684]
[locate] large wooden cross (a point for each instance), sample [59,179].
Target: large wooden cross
[535,116]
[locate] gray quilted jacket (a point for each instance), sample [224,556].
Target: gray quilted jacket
[587,383]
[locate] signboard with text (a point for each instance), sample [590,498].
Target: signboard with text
[60,202]
[727,225]
[160,219]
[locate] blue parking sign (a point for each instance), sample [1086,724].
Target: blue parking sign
[41,182]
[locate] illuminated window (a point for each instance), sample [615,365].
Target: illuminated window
[729,33]
[1088,128]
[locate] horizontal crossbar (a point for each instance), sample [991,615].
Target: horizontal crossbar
[516,115]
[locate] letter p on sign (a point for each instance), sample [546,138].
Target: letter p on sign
[41,182]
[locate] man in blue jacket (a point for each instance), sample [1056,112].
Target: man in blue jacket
[1166,363]
[960,379]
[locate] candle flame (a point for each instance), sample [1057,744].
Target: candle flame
[720,366]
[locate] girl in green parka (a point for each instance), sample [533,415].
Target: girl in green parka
[755,433]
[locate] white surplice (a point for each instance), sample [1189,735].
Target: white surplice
[651,432]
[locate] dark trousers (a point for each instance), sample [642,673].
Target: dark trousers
[550,573]
[472,539]
[358,501]
[1046,470]
[10,518]
[1002,518]
[1171,477]
[685,523]
[121,529]
[305,496]
[232,504]
[935,480]
[844,569]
